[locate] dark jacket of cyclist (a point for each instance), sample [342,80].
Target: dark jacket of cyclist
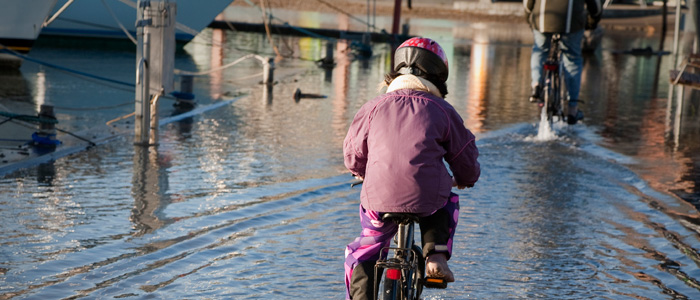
[561,16]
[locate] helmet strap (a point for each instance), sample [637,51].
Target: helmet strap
[410,70]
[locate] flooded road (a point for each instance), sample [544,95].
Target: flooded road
[252,201]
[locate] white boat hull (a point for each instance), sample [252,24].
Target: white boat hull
[91,19]
[20,22]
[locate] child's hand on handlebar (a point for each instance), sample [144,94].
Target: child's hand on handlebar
[461,187]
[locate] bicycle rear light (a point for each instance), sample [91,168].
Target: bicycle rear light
[550,67]
[393,274]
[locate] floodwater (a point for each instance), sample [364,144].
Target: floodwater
[251,200]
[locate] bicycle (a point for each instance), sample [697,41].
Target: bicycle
[552,87]
[405,264]
[403,268]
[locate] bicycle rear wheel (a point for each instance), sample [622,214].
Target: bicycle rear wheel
[390,289]
[409,285]
[552,96]
[420,274]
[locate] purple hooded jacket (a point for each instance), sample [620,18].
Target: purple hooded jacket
[397,143]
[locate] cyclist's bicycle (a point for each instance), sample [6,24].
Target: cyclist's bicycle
[552,85]
[404,266]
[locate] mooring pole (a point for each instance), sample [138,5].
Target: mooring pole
[184,99]
[269,71]
[694,6]
[395,29]
[397,18]
[676,31]
[155,63]
[268,78]
[46,135]
[142,112]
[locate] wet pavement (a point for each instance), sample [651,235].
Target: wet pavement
[251,200]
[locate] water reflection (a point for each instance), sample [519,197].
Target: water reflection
[218,40]
[250,183]
[341,77]
[477,85]
[149,189]
[13,85]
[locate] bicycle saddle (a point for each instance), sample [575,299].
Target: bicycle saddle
[400,218]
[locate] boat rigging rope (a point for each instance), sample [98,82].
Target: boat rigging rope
[43,120]
[267,28]
[94,108]
[4,49]
[309,33]
[58,13]
[12,52]
[26,118]
[258,57]
[109,9]
[348,14]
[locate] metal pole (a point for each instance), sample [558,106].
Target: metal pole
[46,135]
[676,32]
[395,29]
[154,63]
[142,110]
[268,71]
[695,13]
[397,17]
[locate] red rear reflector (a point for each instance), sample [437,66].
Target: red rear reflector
[550,67]
[393,274]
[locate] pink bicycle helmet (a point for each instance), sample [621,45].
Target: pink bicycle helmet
[421,56]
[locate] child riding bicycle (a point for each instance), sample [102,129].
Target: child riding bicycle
[398,144]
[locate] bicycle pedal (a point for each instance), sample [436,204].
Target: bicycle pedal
[435,283]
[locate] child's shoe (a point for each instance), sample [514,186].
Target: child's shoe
[436,266]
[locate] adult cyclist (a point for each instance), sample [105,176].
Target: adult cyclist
[568,18]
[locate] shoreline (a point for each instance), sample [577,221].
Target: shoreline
[615,18]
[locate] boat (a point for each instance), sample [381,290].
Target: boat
[111,19]
[20,25]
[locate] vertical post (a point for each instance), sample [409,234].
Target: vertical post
[268,78]
[155,56]
[46,135]
[186,84]
[676,31]
[329,51]
[185,98]
[269,71]
[695,13]
[395,29]
[397,18]
[162,55]
[142,112]
[327,62]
